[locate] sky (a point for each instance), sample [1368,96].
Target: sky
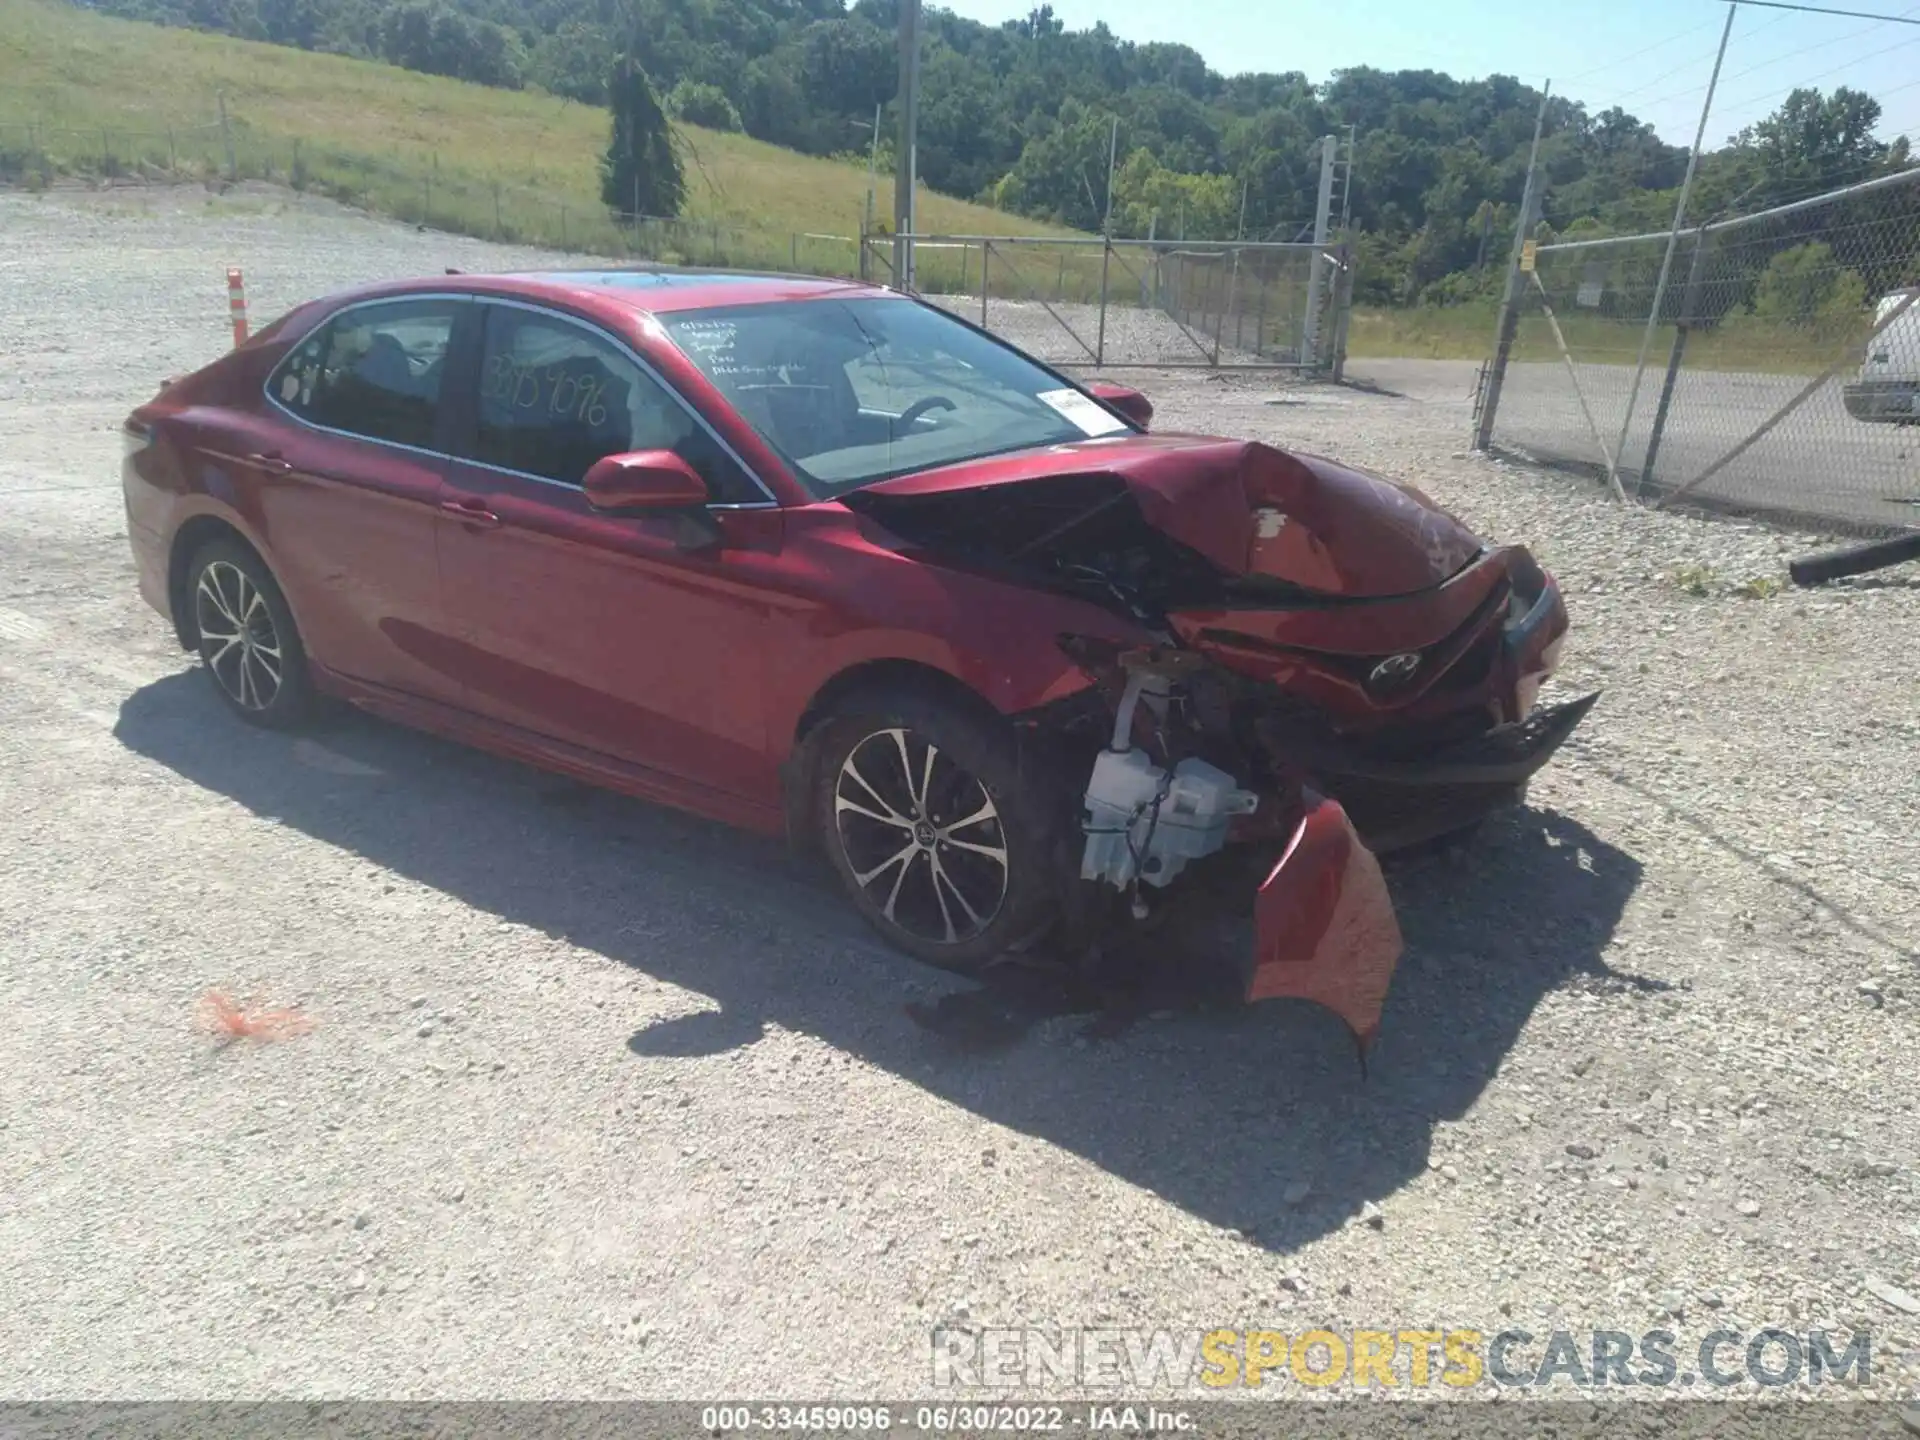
[1651,57]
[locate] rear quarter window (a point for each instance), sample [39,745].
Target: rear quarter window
[372,370]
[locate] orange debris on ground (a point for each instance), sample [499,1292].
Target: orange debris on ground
[233,1021]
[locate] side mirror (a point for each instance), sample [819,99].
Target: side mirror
[1124,398]
[644,480]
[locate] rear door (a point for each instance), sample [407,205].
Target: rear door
[351,485]
[605,632]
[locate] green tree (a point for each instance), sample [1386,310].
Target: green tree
[1173,205]
[1812,142]
[572,61]
[640,174]
[704,105]
[1805,286]
[439,40]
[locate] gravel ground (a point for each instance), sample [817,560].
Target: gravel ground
[605,1101]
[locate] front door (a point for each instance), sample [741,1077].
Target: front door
[601,631]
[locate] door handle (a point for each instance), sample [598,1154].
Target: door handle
[269,460]
[470,512]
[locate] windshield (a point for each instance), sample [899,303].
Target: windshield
[853,391]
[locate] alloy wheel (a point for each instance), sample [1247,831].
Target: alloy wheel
[921,836]
[237,636]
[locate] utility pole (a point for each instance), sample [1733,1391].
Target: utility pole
[1113,158]
[1317,265]
[1666,261]
[904,160]
[1509,321]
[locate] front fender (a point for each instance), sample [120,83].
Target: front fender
[855,604]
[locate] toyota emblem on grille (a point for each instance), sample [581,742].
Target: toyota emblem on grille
[1394,669]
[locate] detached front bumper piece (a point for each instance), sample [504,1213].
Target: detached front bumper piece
[1324,927]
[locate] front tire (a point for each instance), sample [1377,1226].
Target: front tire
[938,835]
[246,637]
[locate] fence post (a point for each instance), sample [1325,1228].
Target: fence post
[1509,322]
[106,153]
[1260,322]
[986,249]
[226,136]
[563,225]
[173,155]
[1220,315]
[426,197]
[793,249]
[1343,302]
[1688,299]
[498,229]
[1100,339]
[1233,295]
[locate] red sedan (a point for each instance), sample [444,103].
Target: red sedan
[814,557]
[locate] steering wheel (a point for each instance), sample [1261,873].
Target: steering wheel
[921,406]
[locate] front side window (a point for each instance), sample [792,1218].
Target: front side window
[374,370]
[556,396]
[853,391]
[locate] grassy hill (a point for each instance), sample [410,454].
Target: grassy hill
[82,93]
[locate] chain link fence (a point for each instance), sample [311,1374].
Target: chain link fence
[35,155]
[1072,301]
[1782,376]
[1149,303]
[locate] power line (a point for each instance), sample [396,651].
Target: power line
[1811,49]
[1818,10]
[1760,29]
[1734,106]
[1664,75]
[1644,50]
[1807,80]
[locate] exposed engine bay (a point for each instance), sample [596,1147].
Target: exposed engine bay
[1329,667]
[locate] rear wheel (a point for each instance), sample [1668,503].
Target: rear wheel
[247,638]
[938,837]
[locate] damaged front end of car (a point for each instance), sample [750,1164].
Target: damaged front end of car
[1328,669]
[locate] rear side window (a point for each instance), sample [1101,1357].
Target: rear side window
[556,396]
[374,370]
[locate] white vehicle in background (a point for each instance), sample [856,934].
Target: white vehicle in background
[1889,384]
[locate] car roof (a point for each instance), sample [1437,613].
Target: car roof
[659,289]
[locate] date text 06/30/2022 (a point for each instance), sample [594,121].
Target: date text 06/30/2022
[944,1419]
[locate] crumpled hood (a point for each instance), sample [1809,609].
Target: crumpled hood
[1309,521]
[1252,509]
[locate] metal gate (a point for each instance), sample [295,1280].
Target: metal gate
[1113,304]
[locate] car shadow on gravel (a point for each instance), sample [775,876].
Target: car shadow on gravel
[1257,1118]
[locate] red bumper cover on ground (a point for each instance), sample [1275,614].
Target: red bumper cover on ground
[1324,924]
